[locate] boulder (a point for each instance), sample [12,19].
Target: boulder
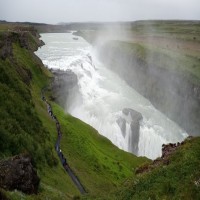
[18,173]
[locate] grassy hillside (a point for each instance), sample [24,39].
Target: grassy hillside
[22,131]
[26,127]
[180,179]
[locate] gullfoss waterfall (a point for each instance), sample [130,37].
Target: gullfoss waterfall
[106,102]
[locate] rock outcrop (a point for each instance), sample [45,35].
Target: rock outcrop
[135,129]
[5,46]
[122,124]
[22,36]
[65,84]
[18,173]
[131,118]
[167,151]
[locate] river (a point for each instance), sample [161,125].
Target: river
[103,96]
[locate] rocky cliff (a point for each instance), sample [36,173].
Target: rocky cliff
[27,38]
[64,86]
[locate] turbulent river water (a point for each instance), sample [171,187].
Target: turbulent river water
[104,95]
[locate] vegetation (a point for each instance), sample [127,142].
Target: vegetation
[19,120]
[178,180]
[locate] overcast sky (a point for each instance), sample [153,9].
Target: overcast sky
[55,11]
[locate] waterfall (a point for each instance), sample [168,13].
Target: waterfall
[104,96]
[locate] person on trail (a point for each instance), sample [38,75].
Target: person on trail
[58,127]
[60,154]
[57,147]
[50,112]
[64,161]
[59,133]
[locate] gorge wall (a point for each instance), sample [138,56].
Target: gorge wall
[155,75]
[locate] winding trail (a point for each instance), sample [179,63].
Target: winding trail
[58,150]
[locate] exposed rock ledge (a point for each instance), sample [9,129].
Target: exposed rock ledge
[167,151]
[18,173]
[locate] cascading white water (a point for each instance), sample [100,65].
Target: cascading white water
[104,95]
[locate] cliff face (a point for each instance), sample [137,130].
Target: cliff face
[28,39]
[64,86]
[156,76]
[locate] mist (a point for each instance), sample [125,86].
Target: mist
[153,61]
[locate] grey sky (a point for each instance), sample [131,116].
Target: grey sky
[54,11]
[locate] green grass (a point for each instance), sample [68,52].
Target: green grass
[181,30]
[178,180]
[5,27]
